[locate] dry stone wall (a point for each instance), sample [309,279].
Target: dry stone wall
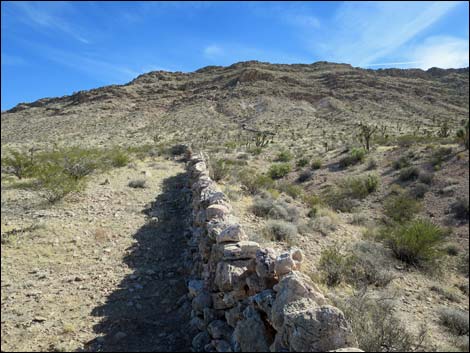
[246,298]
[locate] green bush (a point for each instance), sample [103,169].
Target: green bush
[460,208]
[356,155]
[316,164]
[279,170]
[440,155]
[333,265]
[54,183]
[292,190]
[280,231]
[415,242]
[284,156]
[219,169]
[401,163]
[409,173]
[372,183]
[349,189]
[455,320]
[419,190]
[253,182]
[117,158]
[302,162]
[18,164]
[264,206]
[401,207]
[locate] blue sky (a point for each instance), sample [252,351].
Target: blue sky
[57,48]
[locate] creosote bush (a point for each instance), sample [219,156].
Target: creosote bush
[18,164]
[264,206]
[254,182]
[279,170]
[356,155]
[284,156]
[401,207]
[316,164]
[409,173]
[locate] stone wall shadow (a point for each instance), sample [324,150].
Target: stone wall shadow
[149,310]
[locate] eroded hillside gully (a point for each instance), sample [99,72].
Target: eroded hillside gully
[247,298]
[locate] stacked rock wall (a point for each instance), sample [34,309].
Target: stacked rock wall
[246,298]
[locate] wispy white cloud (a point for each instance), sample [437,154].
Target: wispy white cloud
[49,15]
[212,51]
[363,32]
[441,51]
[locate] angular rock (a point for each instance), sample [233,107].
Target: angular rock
[229,277]
[241,250]
[218,301]
[235,314]
[201,301]
[200,341]
[284,264]
[222,346]
[219,329]
[292,287]
[311,328]
[195,287]
[216,211]
[264,301]
[232,234]
[251,334]
[265,260]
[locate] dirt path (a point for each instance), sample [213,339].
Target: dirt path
[105,272]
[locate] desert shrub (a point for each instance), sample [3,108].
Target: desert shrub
[463,135]
[426,178]
[292,190]
[280,230]
[254,182]
[313,201]
[452,249]
[54,183]
[317,163]
[401,208]
[409,173]
[376,327]
[305,176]
[460,208]
[265,206]
[415,242]
[401,163]
[284,156]
[118,158]
[137,183]
[323,224]
[355,156]
[255,150]
[463,263]
[18,164]
[359,267]
[333,264]
[446,293]
[219,169]
[279,170]
[372,164]
[79,163]
[419,190]
[455,320]
[440,155]
[302,162]
[178,150]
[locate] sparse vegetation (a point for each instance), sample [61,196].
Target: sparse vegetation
[280,230]
[455,320]
[416,242]
[409,173]
[401,207]
[137,184]
[279,170]
[356,155]
[18,164]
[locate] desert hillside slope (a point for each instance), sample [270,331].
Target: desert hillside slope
[213,103]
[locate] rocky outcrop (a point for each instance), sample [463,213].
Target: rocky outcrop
[246,298]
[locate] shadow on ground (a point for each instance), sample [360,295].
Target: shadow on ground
[149,311]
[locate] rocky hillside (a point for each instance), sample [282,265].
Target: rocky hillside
[214,103]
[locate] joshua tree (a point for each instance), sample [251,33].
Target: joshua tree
[365,134]
[463,135]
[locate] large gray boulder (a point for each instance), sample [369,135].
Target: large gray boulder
[251,334]
[309,327]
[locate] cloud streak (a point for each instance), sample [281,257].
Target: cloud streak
[363,32]
[48,15]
